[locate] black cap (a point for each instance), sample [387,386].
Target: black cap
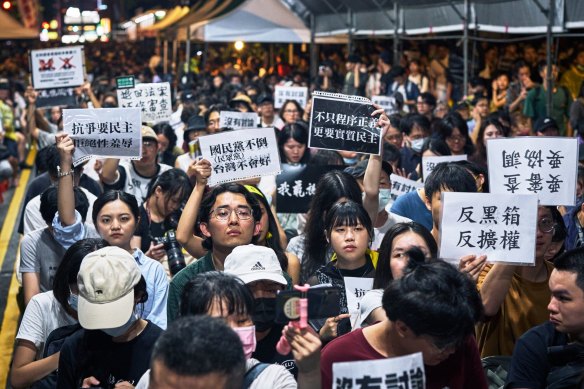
[265,98]
[188,95]
[545,123]
[196,123]
[358,170]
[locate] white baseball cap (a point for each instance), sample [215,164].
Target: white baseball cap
[253,263]
[369,302]
[106,281]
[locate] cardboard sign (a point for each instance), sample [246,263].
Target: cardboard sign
[296,185]
[400,372]
[238,120]
[283,93]
[104,132]
[429,163]
[125,82]
[388,103]
[341,122]
[57,68]
[238,155]
[152,99]
[502,226]
[401,185]
[56,97]
[542,165]
[355,289]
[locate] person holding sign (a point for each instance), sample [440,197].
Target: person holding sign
[349,232]
[432,309]
[515,297]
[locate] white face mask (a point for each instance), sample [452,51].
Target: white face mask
[384,198]
[119,331]
[417,144]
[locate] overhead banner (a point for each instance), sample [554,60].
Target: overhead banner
[238,120]
[341,122]
[297,93]
[542,165]
[400,185]
[399,372]
[501,226]
[153,100]
[104,132]
[429,163]
[296,185]
[57,68]
[388,103]
[239,155]
[56,97]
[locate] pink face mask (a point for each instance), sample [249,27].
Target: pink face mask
[248,339]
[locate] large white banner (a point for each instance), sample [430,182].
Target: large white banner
[153,100]
[57,68]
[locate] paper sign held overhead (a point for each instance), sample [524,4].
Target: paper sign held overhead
[104,132]
[501,226]
[57,68]
[401,185]
[153,100]
[400,372]
[388,103]
[429,163]
[545,166]
[238,155]
[341,122]
[125,82]
[297,93]
[238,120]
[56,97]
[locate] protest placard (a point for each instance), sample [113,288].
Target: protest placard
[501,226]
[238,155]
[341,122]
[283,93]
[238,120]
[400,372]
[296,185]
[56,97]
[388,103]
[153,100]
[355,289]
[125,82]
[401,185]
[542,165]
[429,163]
[57,68]
[104,132]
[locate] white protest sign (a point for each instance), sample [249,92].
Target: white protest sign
[104,132]
[401,185]
[501,226]
[429,163]
[283,93]
[542,165]
[238,155]
[237,120]
[399,372]
[388,103]
[153,100]
[57,68]
[355,289]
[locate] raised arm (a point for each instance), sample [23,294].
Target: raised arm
[66,197]
[109,172]
[495,286]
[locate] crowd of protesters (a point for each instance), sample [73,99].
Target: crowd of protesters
[106,305]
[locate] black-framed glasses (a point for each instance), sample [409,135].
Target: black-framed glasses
[546,224]
[242,213]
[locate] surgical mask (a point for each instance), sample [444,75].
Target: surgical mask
[417,144]
[119,331]
[247,336]
[350,161]
[264,313]
[73,300]
[384,198]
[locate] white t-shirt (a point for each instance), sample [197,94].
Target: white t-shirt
[42,316]
[379,233]
[135,183]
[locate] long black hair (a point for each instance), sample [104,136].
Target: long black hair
[171,182]
[297,131]
[113,195]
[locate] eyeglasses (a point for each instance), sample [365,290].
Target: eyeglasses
[546,225]
[242,213]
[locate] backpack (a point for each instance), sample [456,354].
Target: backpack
[496,369]
[253,373]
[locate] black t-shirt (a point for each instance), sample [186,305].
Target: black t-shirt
[266,351]
[530,365]
[116,362]
[148,229]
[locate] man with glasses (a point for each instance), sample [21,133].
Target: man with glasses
[516,297]
[440,326]
[229,217]
[134,176]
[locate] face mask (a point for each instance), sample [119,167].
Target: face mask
[119,331]
[350,161]
[384,198]
[72,300]
[417,144]
[264,313]
[247,336]
[108,105]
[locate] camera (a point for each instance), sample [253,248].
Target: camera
[176,259]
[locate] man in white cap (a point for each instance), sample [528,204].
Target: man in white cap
[110,289]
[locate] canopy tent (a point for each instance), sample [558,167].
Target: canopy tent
[173,16]
[11,29]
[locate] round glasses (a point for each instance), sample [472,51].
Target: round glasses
[242,213]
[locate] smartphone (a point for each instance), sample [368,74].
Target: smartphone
[323,302]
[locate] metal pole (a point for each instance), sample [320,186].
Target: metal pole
[396,34]
[188,52]
[548,76]
[466,21]
[313,52]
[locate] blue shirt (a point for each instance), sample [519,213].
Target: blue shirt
[154,309]
[410,205]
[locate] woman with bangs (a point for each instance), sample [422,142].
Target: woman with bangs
[349,231]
